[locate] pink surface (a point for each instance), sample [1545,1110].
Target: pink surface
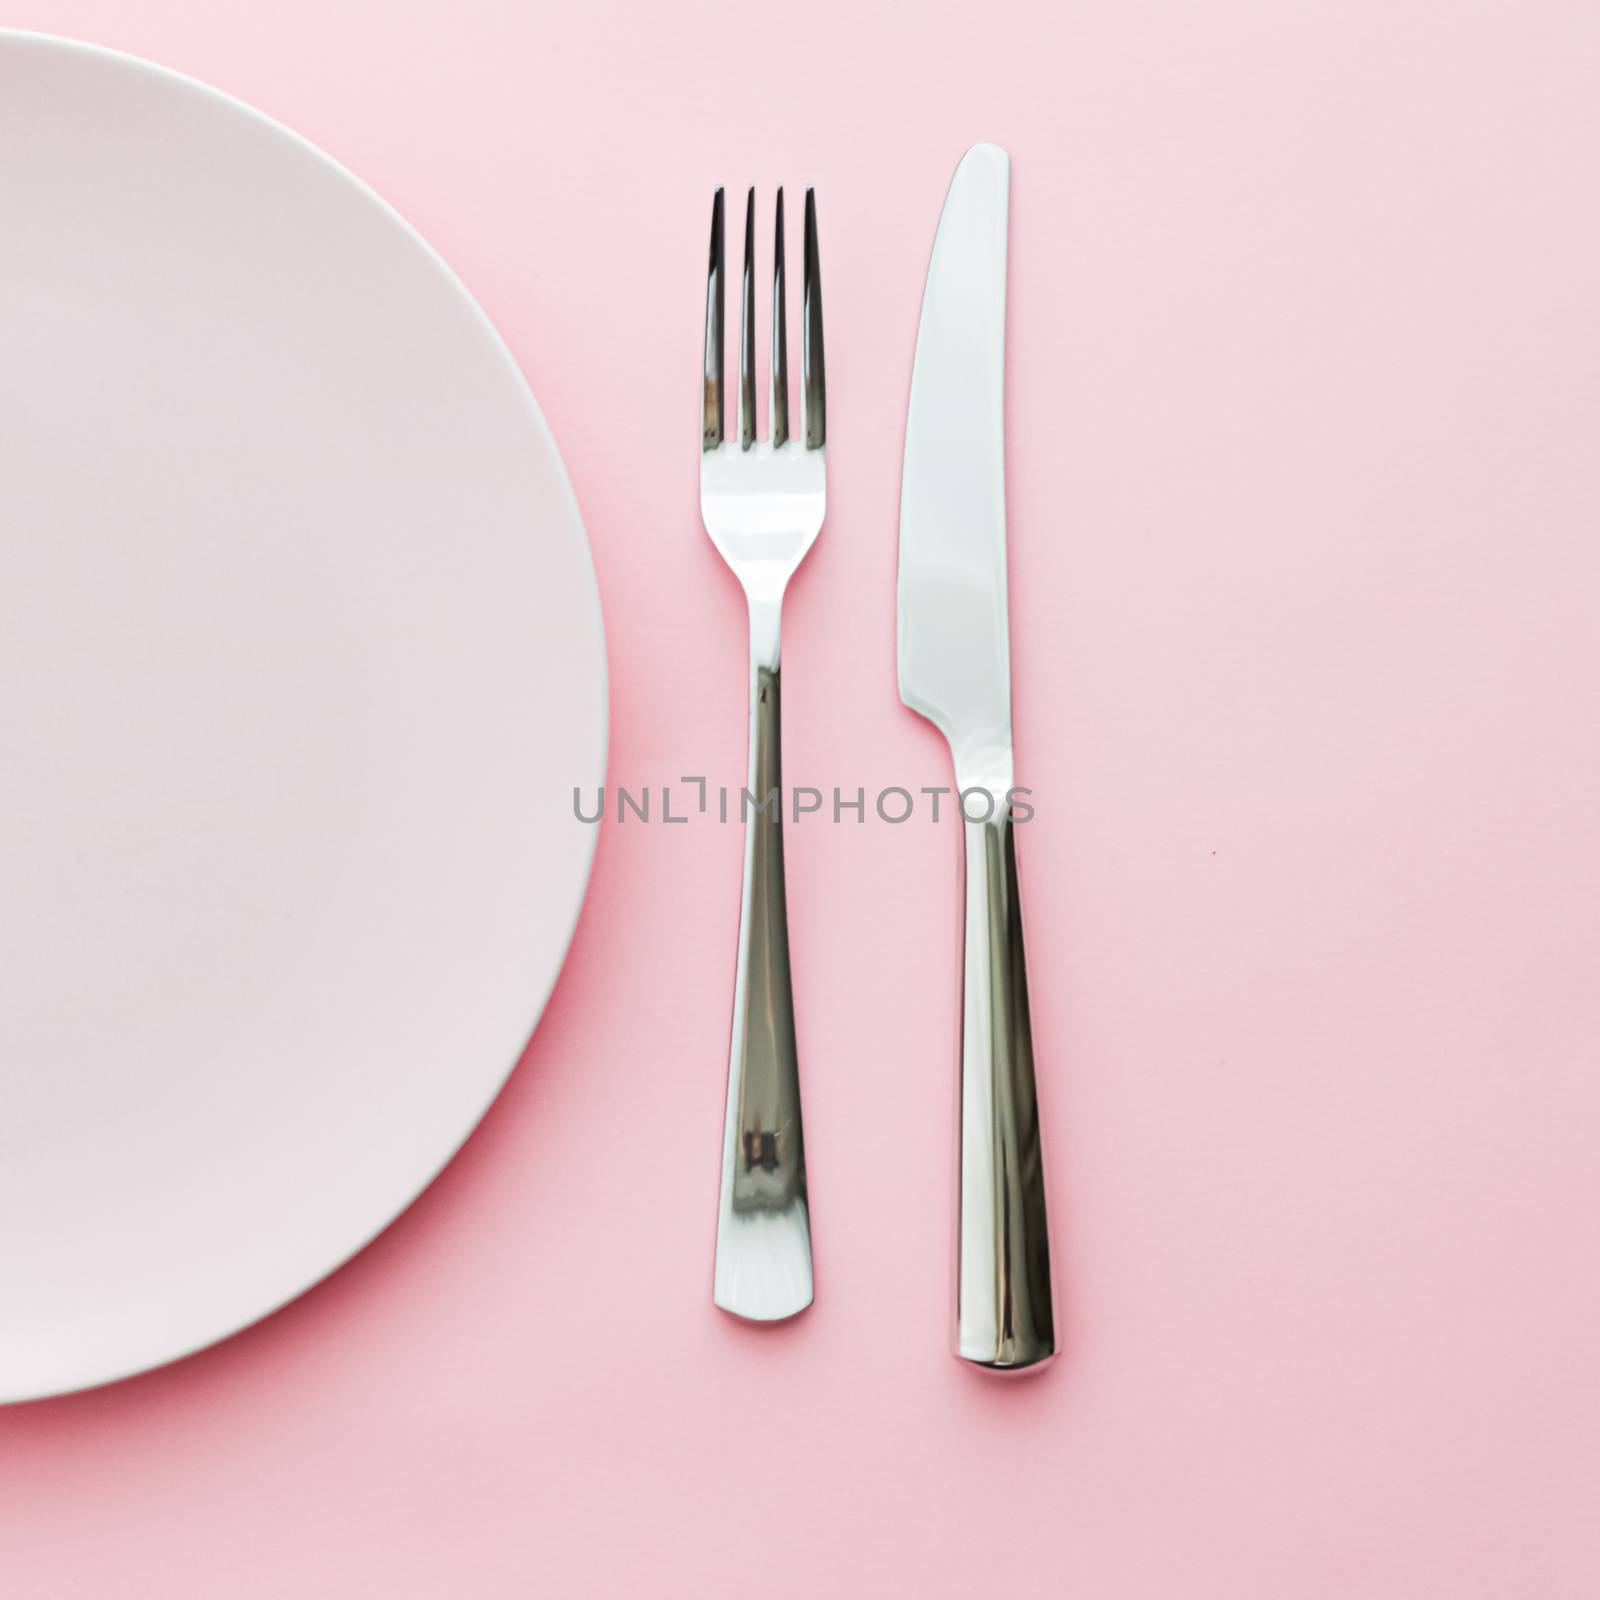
[1304,408]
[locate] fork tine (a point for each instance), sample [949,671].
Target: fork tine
[811,358]
[747,330]
[778,410]
[711,424]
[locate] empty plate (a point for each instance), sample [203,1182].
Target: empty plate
[300,662]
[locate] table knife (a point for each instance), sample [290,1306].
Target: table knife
[955,669]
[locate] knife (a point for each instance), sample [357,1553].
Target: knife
[955,669]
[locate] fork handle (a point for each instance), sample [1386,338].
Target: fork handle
[763,1261]
[1005,1316]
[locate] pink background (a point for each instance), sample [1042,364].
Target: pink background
[1304,410]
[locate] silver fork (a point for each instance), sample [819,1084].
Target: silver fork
[762,502]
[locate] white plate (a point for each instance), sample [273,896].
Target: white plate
[300,660]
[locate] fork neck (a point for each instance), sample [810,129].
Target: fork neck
[765,611]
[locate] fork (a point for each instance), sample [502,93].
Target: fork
[762,502]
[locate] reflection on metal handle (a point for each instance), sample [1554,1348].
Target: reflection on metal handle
[763,1266]
[1005,1318]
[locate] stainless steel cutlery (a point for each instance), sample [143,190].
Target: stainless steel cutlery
[955,668]
[762,501]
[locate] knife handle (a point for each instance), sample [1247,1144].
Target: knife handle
[1005,1316]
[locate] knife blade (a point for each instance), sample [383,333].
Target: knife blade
[955,669]
[955,658]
